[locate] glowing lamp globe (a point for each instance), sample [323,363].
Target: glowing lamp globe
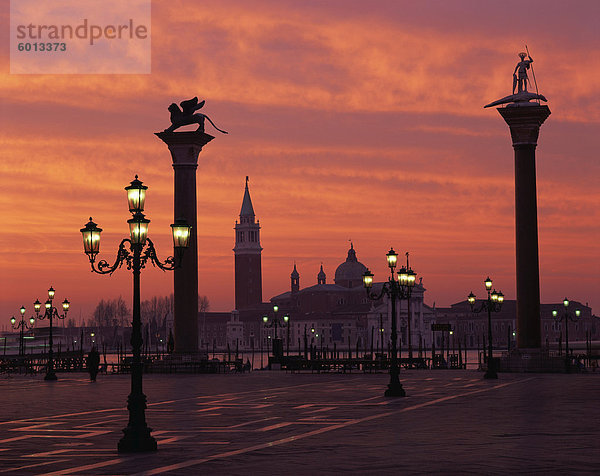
[91,238]
[392,258]
[411,278]
[368,279]
[181,233]
[136,195]
[138,228]
[403,276]
[494,296]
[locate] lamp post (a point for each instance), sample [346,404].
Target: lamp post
[567,316]
[492,304]
[22,326]
[395,289]
[136,436]
[50,313]
[275,323]
[406,276]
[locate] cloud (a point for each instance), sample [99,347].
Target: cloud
[353,123]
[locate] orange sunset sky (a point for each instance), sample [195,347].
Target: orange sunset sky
[354,120]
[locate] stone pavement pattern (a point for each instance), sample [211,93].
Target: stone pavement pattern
[276,423]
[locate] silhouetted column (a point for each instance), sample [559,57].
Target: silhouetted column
[524,122]
[184,148]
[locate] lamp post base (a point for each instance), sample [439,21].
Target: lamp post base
[137,440]
[491,374]
[50,376]
[395,390]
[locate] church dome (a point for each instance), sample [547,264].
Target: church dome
[350,273]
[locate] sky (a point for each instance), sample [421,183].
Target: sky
[354,120]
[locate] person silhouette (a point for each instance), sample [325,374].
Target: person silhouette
[93,362]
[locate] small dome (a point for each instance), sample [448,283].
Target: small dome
[350,273]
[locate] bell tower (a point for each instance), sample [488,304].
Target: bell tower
[295,278]
[247,251]
[321,277]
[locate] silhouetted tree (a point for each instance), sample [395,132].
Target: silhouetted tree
[156,308]
[112,312]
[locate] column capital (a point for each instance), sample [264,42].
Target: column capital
[524,122]
[185,146]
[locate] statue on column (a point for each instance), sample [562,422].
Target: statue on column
[520,78]
[188,115]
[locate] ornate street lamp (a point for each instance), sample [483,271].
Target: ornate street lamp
[135,251]
[22,326]
[275,322]
[395,289]
[407,278]
[492,304]
[567,316]
[50,313]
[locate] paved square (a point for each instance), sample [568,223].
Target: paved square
[278,423]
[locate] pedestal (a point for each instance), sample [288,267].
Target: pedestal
[524,120]
[184,148]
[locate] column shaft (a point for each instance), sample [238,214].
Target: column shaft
[527,255]
[524,121]
[185,148]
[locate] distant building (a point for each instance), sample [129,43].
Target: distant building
[471,328]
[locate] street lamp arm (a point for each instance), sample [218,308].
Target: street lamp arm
[102,267]
[565,316]
[481,308]
[51,312]
[22,324]
[169,264]
[276,322]
[375,296]
[571,317]
[485,306]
